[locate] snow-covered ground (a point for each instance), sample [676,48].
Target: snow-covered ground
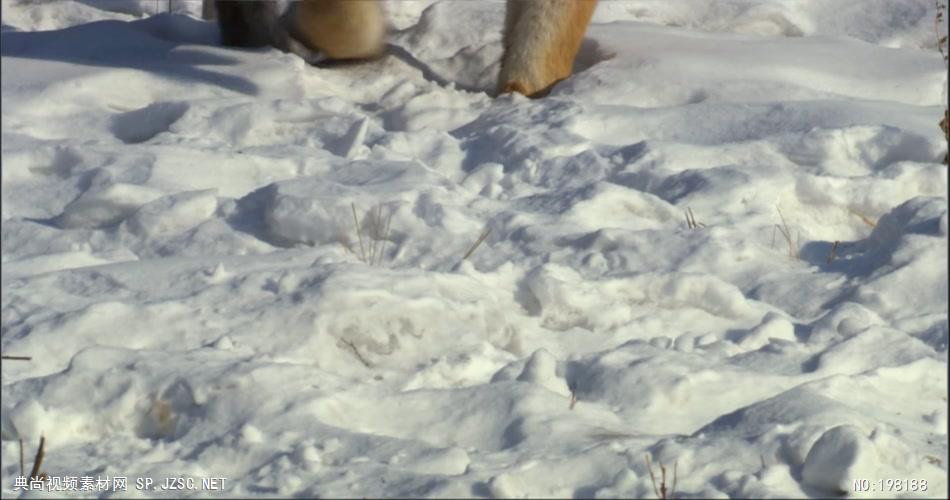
[181,260]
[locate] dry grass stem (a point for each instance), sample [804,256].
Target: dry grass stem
[359,233]
[865,219]
[787,234]
[382,250]
[356,352]
[662,481]
[377,229]
[377,233]
[652,477]
[691,220]
[673,488]
[35,474]
[661,492]
[477,243]
[17,358]
[834,252]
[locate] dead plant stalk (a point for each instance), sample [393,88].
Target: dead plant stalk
[16,358]
[691,220]
[477,243]
[787,234]
[662,492]
[359,233]
[35,474]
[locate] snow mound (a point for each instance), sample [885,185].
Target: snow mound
[840,454]
[721,243]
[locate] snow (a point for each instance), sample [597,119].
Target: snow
[181,257]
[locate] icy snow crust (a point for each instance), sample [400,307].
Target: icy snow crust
[180,256]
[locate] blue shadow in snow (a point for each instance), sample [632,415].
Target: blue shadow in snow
[152,45]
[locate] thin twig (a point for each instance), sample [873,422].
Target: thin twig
[357,353]
[477,242]
[379,228]
[662,481]
[374,225]
[788,240]
[382,251]
[784,226]
[834,252]
[379,232]
[673,489]
[22,467]
[662,492]
[863,218]
[691,220]
[787,234]
[359,234]
[17,358]
[38,461]
[652,479]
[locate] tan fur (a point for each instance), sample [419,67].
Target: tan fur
[340,29]
[541,39]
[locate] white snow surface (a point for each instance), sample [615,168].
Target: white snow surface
[181,260]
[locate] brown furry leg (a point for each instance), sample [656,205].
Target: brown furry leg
[339,29]
[252,23]
[541,39]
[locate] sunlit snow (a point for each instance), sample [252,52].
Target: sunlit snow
[721,244]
